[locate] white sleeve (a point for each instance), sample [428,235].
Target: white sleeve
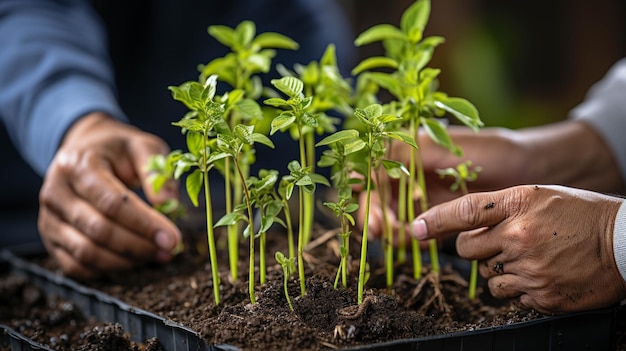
[619,240]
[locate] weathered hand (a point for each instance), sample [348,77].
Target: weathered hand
[89,219]
[497,151]
[550,245]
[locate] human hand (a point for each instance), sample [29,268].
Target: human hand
[89,219]
[550,245]
[498,152]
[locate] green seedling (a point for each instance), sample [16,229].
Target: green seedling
[463,173]
[340,147]
[199,124]
[249,56]
[322,81]
[232,145]
[288,268]
[296,113]
[375,124]
[413,85]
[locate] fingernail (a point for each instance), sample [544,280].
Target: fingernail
[164,241]
[419,230]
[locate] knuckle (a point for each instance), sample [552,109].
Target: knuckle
[466,212]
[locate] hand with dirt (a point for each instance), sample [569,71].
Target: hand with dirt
[569,153]
[89,219]
[551,246]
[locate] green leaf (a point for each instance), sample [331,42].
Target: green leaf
[437,132]
[354,146]
[282,121]
[373,110]
[195,142]
[223,34]
[249,109]
[462,109]
[290,86]
[375,62]
[230,219]
[342,135]
[275,40]
[329,58]
[378,33]
[193,184]
[395,169]
[414,20]
[261,139]
[319,179]
[351,207]
[404,137]
[245,32]
[189,93]
[276,102]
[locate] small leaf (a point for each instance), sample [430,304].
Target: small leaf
[342,135]
[351,207]
[193,184]
[195,142]
[249,109]
[290,86]
[354,146]
[319,179]
[245,32]
[374,62]
[378,33]
[463,110]
[275,40]
[373,110]
[230,219]
[414,20]
[223,34]
[276,102]
[329,58]
[395,168]
[282,121]
[261,139]
[437,132]
[404,137]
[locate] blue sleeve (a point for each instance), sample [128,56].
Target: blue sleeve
[54,68]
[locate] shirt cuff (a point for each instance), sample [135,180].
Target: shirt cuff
[57,108]
[619,240]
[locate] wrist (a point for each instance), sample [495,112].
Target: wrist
[571,153]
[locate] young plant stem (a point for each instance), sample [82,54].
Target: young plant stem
[251,236]
[262,262]
[402,219]
[309,199]
[416,252]
[383,190]
[432,243]
[285,281]
[301,217]
[301,243]
[233,235]
[290,243]
[363,261]
[210,231]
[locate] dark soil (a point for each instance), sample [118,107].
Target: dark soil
[325,318]
[56,323]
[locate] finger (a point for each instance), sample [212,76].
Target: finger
[478,244]
[103,190]
[466,213]
[141,152]
[80,256]
[506,286]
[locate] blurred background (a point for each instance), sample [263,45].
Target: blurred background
[521,62]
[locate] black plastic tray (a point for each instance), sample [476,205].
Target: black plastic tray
[592,330]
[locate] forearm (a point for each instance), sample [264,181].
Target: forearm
[56,70]
[571,153]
